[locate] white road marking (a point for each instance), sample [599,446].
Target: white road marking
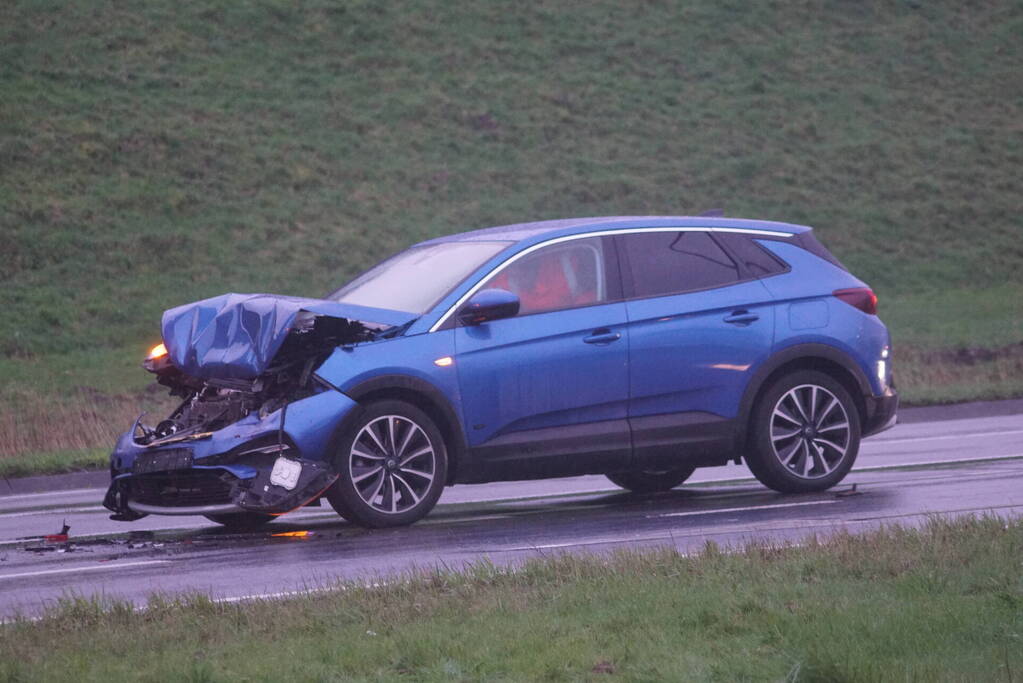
[52,511]
[68,492]
[744,509]
[459,520]
[964,435]
[660,536]
[72,570]
[954,461]
[737,478]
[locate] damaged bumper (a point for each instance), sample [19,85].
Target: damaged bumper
[269,464]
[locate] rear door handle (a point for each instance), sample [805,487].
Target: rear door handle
[602,336]
[742,317]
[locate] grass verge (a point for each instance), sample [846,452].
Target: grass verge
[941,603]
[54,462]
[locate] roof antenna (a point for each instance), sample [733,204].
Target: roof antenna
[713,213]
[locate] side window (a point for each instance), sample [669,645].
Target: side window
[757,260]
[672,262]
[562,275]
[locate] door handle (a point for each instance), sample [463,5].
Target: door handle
[602,336]
[742,317]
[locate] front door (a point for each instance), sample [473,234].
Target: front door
[545,393]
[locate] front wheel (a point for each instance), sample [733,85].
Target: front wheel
[650,481]
[393,465]
[805,433]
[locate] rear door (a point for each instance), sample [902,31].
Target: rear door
[699,323]
[546,392]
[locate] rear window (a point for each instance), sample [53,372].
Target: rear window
[757,260]
[812,245]
[673,262]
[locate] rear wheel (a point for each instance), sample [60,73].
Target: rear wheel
[805,433]
[651,481]
[393,466]
[241,521]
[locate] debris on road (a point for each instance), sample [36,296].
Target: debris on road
[849,492]
[62,537]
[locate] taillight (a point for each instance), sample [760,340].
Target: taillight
[862,298]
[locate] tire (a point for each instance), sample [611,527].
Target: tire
[804,433]
[241,521]
[393,465]
[650,482]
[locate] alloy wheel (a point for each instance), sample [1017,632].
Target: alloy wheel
[392,464]
[810,431]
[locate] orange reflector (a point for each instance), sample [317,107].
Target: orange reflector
[293,534]
[158,351]
[444,362]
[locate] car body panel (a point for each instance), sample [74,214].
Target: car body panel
[533,373]
[244,450]
[810,314]
[689,367]
[684,356]
[411,356]
[235,336]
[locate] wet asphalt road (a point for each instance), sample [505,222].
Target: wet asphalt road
[967,466]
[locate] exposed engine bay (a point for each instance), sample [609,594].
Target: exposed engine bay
[213,403]
[252,430]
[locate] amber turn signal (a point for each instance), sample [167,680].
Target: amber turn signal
[157,351]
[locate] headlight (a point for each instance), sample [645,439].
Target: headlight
[157,359]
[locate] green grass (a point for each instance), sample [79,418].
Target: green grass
[940,604]
[159,153]
[55,462]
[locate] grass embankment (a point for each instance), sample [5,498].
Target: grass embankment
[940,604]
[160,153]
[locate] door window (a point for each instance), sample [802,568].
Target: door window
[664,263]
[565,275]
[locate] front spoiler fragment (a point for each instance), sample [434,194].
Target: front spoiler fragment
[260,495]
[255,494]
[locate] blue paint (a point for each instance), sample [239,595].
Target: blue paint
[235,336]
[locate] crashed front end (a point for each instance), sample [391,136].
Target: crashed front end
[253,429]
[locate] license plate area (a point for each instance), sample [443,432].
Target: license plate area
[162,461]
[286,473]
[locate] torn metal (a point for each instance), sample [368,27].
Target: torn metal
[252,429]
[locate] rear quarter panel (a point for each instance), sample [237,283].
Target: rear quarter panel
[807,312]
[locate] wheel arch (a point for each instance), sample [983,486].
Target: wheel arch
[827,359]
[424,396]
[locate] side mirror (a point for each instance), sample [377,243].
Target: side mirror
[489,304]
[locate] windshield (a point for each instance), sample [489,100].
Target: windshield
[416,279]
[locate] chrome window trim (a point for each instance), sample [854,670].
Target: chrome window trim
[602,233]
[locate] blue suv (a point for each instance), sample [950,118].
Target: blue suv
[636,347]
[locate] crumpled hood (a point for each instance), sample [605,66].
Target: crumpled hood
[236,336]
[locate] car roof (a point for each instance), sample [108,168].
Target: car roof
[539,231]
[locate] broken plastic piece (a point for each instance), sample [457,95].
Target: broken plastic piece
[61,537]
